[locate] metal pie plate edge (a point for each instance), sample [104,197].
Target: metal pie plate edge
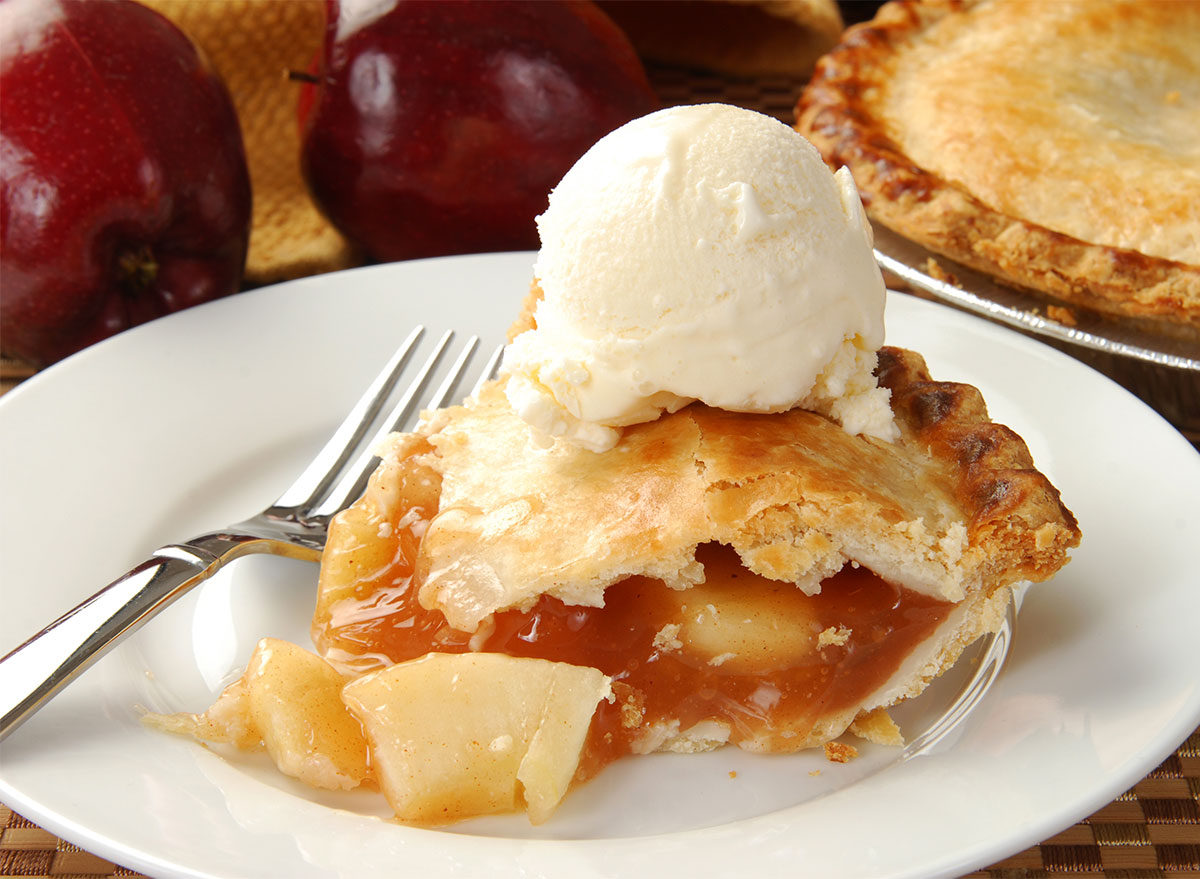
[981,295]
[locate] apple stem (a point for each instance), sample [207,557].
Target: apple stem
[302,76]
[138,268]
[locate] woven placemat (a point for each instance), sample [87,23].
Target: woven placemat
[1152,830]
[255,44]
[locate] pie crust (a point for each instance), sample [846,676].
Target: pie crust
[1052,145]
[951,514]
[955,503]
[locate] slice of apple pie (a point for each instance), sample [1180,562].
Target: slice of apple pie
[508,618]
[761,580]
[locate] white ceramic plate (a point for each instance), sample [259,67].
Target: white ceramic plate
[199,419]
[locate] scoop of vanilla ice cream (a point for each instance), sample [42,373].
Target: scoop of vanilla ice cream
[701,253]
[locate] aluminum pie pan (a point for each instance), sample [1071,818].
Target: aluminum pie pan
[979,294]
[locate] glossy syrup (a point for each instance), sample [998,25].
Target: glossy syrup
[738,649]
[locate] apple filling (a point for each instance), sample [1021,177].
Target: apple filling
[736,659]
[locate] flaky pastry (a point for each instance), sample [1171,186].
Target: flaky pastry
[731,536]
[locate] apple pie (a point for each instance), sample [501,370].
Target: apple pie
[1051,145]
[767,581]
[498,620]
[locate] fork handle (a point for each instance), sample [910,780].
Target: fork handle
[55,656]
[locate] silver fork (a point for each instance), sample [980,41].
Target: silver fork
[295,526]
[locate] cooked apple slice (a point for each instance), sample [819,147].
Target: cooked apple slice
[741,622]
[453,736]
[289,700]
[746,632]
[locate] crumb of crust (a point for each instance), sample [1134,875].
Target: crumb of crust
[878,728]
[814,772]
[667,638]
[1064,316]
[934,269]
[733,773]
[633,709]
[837,752]
[838,635]
[525,320]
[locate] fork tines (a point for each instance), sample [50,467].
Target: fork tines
[339,473]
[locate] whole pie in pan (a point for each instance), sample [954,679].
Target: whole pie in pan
[1054,145]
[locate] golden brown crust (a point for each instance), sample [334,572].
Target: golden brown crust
[1005,497]
[954,506]
[844,111]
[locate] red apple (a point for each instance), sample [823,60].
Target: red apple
[124,193]
[440,127]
